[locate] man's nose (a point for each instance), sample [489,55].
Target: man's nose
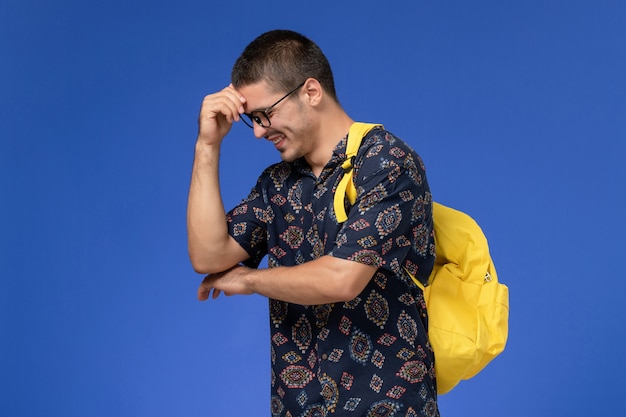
[259,131]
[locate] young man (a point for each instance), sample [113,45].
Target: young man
[348,324]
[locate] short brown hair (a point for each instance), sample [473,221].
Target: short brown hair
[284,59]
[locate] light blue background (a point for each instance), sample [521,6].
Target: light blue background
[517,108]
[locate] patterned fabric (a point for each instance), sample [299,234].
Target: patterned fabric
[369,356]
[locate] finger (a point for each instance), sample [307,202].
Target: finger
[203,291]
[237,98]
[220,104]
[227,103]
[240,96]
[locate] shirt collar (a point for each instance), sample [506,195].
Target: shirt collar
[339,155]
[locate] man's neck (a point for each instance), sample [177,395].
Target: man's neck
[331,130]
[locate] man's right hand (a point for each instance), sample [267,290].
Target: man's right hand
[218,112]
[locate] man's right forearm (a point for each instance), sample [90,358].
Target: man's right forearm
[208,239]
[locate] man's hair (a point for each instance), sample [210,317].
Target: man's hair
[284,59]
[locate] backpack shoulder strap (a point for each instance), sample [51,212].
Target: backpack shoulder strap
[358,130]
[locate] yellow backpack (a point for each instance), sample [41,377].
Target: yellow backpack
[468,309]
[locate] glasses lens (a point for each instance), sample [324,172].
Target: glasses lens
[248,120]
[260,118]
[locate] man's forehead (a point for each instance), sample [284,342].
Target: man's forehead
[258,95]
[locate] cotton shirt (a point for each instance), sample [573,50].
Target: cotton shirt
[369,356]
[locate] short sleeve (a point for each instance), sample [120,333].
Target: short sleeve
[390,224]
[247,224]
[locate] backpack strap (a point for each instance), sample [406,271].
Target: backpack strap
[357,131]
[346,187]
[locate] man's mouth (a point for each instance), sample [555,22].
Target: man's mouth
[276,139]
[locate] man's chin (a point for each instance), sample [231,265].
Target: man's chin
[286,156]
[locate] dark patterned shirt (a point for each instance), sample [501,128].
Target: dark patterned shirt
[369,356]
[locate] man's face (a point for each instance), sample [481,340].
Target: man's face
[289,126]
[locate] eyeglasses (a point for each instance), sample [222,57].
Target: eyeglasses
[262,117]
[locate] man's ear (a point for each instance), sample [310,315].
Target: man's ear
[313,91]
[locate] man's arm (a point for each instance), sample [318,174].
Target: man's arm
[322,281]
[211,249]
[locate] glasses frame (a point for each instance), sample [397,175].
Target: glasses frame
[266,111]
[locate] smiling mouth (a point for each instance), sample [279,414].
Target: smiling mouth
[276,139]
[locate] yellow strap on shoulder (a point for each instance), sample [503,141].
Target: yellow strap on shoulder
[346,186]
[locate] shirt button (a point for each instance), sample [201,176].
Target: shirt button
[324,356]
